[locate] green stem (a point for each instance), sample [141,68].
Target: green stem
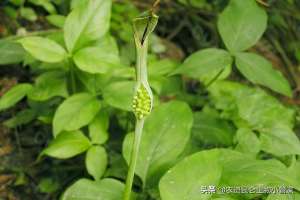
[141,76]
[133,160]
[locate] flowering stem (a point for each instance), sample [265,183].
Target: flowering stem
[142,102]
[134,154]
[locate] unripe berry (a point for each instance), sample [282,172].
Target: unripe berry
[141,103]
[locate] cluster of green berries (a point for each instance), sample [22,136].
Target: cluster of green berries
[141,103]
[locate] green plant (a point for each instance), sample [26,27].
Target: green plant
[240,25]
[143,98]
[67,69]
[75,86]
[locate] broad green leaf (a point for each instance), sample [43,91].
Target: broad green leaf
[165,134]
[248,142]
[162,67]
[67,145]
[44,49]
[119,94]
[99,59]
[11,52]
[14,95]
[23,117]
[212,76]
[49,7]
[185,179]
[241,24]
[96,161]
[261,110]
[259,70]
[28,13]
[235,168]
[295,169]
[109,43]
[84,189]
[212,130]
[96,60]
[257,173]
[75,112]
[280,141]
[93,83]
[166,86]
[48,85]
[249,106]
[157,83]
[58,37]
[124,72]
[56,20]
[87,23]
[239,169]
[117,166]
[98,128]
[46,4]
[253,108]
[78,3]
[223,96]
[199,64]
